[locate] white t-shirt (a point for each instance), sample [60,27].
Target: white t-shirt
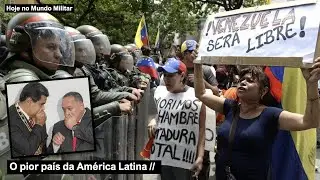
[177,133]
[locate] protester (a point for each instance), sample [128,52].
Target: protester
[176,90]
[147,65]
[255,122]
[186,55]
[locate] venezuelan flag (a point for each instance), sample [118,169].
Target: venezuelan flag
[148,66]
[294,153]
[141,37]
[157,42]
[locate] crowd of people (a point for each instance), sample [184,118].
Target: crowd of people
[39,47]
[247,115]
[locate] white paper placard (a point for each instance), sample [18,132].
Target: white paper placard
[277,31]
[210,129]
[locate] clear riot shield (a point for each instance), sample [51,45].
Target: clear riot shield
[142,123]
[5,150]
[146,109]
[131,143]
[51,43]
[120,139]
[112,142]
[84,51]
[101,44]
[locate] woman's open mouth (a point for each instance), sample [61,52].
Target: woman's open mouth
[241,88]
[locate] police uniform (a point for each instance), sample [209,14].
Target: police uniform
[21,37]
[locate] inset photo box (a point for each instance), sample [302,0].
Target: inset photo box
[50,117]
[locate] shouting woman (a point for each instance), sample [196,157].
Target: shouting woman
[245,138]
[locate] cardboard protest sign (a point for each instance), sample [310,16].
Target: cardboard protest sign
[177,133]
[210,129]
[283,34]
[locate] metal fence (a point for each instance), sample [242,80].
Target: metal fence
[117,138]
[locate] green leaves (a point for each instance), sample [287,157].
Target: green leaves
[120,19]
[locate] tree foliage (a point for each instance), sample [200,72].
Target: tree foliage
[119,19]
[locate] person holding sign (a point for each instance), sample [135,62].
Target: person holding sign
[179,138]
[245,138]
[187,49]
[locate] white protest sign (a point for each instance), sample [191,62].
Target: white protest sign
[278,34]
[210,128]
[176,137]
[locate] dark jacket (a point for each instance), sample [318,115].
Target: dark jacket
[104,79]
[98,96]
[23,142]
[84,134]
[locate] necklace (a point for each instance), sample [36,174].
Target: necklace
[26,122]
[23,117]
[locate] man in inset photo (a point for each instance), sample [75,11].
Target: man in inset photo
[27,121]
[75,132]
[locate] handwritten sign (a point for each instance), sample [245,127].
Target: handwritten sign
[210,129]
[279,34]
[176,137]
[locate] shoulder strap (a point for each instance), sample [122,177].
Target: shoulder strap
[232,133]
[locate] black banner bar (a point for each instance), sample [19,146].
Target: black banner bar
[39,8]
[83,167]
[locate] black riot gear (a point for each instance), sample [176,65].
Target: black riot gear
[120,58]
[38,45]
[84,49]
[61,74]
[134,51]
[3,40]
[43,37]
[100,41]
[99,97]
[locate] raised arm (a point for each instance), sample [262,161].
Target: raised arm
[202,132]
[212,101]
[197,165]
[311,117]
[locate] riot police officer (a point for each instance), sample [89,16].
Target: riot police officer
[86,56]
[101,74]
[134,51]
[38,44]
[122,63]
[100,42]
[3,40]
